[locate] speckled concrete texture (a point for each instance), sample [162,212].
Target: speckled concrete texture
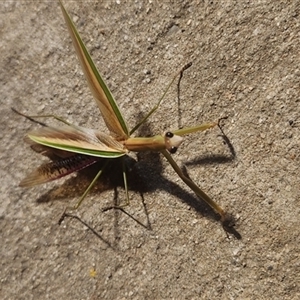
[246,64]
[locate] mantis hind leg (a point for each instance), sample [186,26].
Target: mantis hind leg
[90,186]
[127,202]
[32,118]
[76,206]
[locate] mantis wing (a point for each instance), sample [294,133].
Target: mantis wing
[58,168]
[105,100]
[78,140]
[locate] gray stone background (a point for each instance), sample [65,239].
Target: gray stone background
[246,62]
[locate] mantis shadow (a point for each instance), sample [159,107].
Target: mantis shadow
[138,181]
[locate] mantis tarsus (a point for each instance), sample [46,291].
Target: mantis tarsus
[72,148]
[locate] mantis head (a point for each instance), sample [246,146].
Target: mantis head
[172,141]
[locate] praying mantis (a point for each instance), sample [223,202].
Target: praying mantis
[72,147]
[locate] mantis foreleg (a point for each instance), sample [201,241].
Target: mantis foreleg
[160,100]
[194,187]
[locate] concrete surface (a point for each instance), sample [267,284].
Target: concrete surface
[246,62]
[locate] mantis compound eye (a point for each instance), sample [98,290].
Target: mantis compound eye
[169,134]
[173,150]
[172,141]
